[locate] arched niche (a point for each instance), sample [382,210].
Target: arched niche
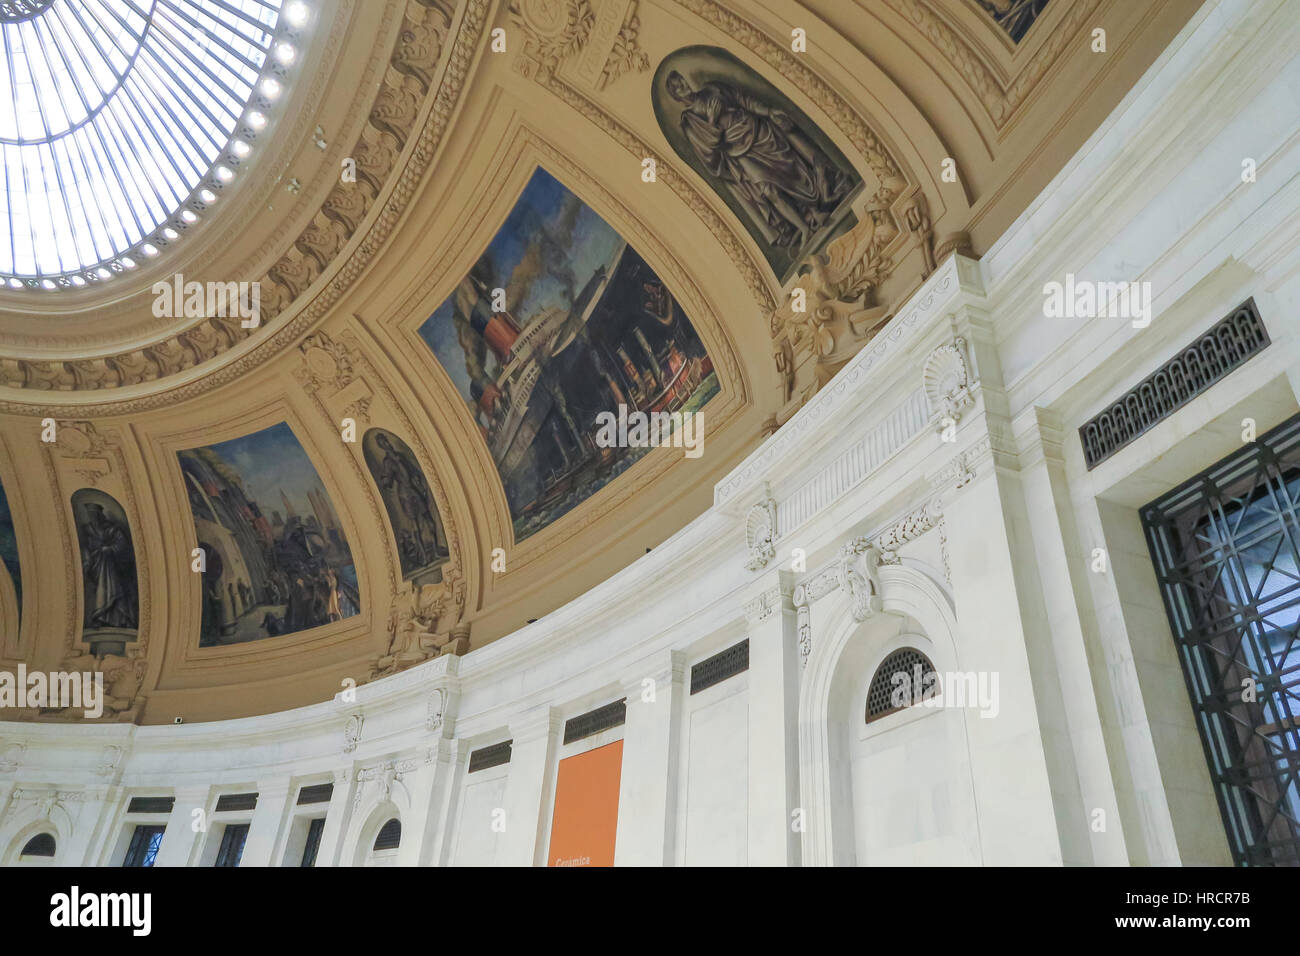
[898,789]
[419,534]
[110,594]
[11,587]
[370,849]
[782,177]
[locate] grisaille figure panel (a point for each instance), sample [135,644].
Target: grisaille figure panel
[9,557]
[558,321]
[779,173]
[412,512]
[277,558]
[110,592]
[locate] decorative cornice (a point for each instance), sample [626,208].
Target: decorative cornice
[953,276]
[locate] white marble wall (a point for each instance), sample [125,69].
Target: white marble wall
[993,575]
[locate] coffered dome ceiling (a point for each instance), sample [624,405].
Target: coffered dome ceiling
[364,407]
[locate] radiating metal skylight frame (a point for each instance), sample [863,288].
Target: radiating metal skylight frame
[125,120]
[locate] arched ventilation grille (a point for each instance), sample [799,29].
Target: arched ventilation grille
[40,845]
[907,661]
[390,835]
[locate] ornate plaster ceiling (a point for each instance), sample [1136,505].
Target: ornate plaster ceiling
[501,147]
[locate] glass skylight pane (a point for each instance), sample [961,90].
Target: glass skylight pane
[116,113]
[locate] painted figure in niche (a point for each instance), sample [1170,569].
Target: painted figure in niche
[557,322]
[9,560]
[1014,16]
[111,598]
[412,512]
[777,171]
[276,558]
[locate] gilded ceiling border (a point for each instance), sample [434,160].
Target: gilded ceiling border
[317,249]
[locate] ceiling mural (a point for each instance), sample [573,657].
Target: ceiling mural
[558,321]
[110,593]
[1014,16]
[9,558]
[776,170]
[277,559]
[412,512]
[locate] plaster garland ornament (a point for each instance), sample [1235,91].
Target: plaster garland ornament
[386,776]
[352,733]
[914,524]
[946,379]
[760,532]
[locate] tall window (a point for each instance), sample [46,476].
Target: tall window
[232,844]
[1226,549]
[313,841]
[145,842]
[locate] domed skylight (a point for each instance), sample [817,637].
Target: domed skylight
[124,121]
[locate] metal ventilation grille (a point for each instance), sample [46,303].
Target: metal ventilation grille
[151,805]
[880,696]
[390,835]
[317,793]
[1227,345]
[236,801]
[487,757]
[716,669]
[594,721]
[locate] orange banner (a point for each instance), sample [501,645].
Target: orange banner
[585,821]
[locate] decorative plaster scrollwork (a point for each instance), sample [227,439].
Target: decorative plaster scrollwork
[947,382]
[433,710]
[11,757]
[109,761]
[760,533]
[856,573]
[909,528]
[352,733]
[601,41]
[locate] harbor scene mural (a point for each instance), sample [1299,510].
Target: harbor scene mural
[558,321]
[277,559]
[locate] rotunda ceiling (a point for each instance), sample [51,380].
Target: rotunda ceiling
[496,296]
